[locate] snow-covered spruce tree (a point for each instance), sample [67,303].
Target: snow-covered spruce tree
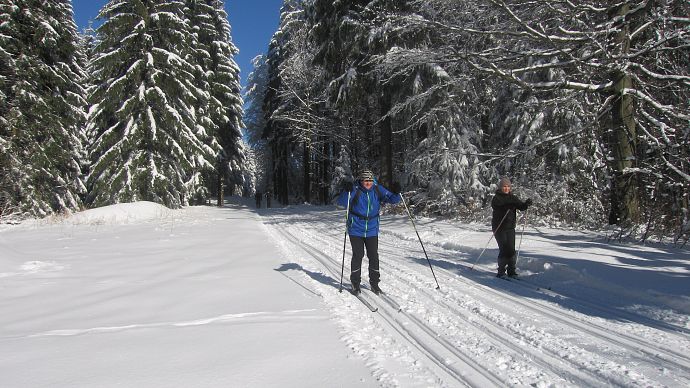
[336,37]
[7,160]
[541,140]
[145,139]
[617,53]
[341,38]
[604,78]
[623,60]
[432,109]
[342,174]
[41,108]
[255,121]
[279,134]
[302,97]
[219,106]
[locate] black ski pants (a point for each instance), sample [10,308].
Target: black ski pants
[506,250]
[372,246]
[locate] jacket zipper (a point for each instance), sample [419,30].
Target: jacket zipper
[366,222]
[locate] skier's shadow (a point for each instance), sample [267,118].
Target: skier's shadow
[319,277]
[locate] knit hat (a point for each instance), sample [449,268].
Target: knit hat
[504,182]
[365,175]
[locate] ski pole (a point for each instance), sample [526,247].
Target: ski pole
[524,222]
[347,216]
[438,287]
[493,233]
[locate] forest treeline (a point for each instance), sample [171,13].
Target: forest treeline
[584,104]
[146,107]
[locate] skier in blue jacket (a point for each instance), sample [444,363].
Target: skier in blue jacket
[366,197]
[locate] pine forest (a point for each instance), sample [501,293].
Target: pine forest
[584,104]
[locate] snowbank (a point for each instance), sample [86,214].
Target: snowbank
[121,214]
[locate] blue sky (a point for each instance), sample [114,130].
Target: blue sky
[253,23]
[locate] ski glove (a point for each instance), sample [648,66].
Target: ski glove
[345,186]
[528,202]
[395,188]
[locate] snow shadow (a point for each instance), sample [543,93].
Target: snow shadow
[319,277]
[591,297]
[653,253]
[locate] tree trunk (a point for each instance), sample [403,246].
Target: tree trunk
[625,196]
[386,144]
[284,164]
[307,170]
[325,171]
[280,173]
[220,190]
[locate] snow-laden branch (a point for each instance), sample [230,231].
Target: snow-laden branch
[665,77]
[666,109]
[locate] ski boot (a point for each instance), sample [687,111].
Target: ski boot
[375,289]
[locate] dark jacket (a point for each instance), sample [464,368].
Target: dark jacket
[364,215]
[502,203]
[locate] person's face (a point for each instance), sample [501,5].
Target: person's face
[367,184]
[505,189]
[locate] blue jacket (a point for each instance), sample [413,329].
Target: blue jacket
[363,219]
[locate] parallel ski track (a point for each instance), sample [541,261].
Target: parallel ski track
[590,328]
[577,373]
[621,315]
[620,339]
[580,373]
[427,341]
[617,313]
[547,362]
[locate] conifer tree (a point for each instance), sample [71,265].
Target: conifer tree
[41,107]
[219,104]
[279,134]
[143,125]
[226,105]
[255,120]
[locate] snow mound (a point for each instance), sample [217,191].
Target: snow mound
[121,214]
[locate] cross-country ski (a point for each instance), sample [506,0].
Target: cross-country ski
[365,301]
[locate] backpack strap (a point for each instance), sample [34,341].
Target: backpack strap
[358,193]
[354,200]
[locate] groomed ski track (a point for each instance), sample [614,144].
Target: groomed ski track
[477,330]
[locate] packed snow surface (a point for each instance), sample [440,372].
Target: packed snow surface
[140,295]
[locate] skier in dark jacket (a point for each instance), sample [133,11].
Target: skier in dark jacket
[503,223]
[257,197]
[269,196]
[366,198]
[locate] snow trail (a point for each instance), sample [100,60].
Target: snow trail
[507,333]
[211,296]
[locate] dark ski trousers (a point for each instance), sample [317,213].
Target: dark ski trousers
[372,246]
[506,250]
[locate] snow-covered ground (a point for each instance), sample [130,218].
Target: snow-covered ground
[139,295]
